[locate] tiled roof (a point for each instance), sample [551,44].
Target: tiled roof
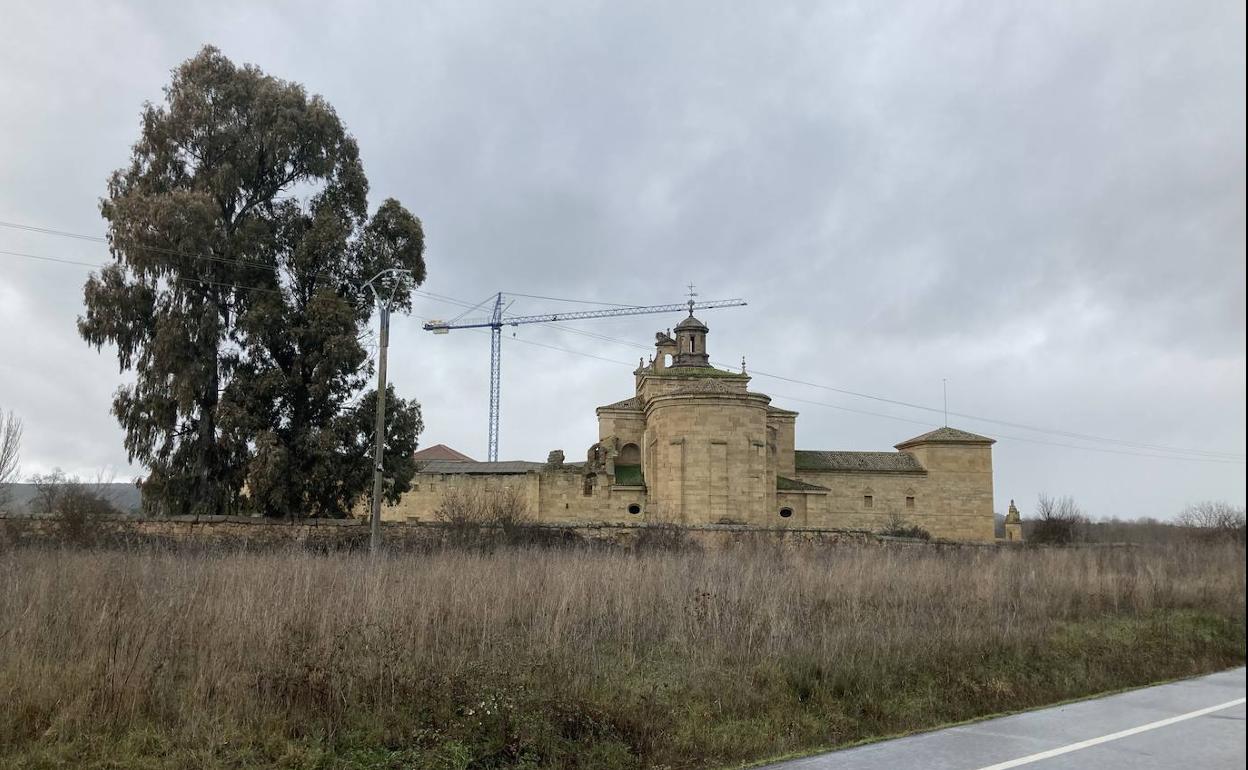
[456,466]
[439,452]
[783,485]
[947,435]
[882,462]
[628,403]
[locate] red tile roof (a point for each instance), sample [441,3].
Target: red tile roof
[439,452]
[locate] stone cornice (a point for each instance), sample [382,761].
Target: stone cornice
[748,400]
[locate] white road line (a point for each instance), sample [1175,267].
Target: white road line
[1111,737]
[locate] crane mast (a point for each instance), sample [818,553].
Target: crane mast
[498,320]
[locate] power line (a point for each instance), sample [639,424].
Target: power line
[159,250]
[1023,426]
[52,259]
[1210,454]
[179,278]
[999,436]
[1204,453]
[50,231]
[1006,437]
[563,350]
[562,299]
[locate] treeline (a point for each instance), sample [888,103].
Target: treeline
[1061,521]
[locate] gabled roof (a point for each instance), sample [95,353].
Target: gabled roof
[455,466]
[439,452]
[633,403]
[876,462]
[946,435]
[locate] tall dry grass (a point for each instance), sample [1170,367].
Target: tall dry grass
[546,657]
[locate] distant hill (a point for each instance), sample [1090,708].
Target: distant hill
[124,496]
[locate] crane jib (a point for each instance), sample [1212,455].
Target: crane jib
[497,321]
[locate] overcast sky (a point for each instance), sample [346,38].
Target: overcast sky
[1042,203]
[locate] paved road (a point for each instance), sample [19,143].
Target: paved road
[1197,723]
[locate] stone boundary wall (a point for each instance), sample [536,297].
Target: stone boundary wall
[352,534]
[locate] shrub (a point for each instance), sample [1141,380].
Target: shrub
[78,506]
[477,516]
[663,536]
[896,526]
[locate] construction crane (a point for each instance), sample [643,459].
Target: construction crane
[498,319]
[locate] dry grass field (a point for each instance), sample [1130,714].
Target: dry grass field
[574,658]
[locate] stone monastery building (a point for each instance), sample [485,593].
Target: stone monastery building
[693,445]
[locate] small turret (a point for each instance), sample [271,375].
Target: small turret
[1013,524]
[664,350]
[691,343]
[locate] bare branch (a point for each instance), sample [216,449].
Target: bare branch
[10,453]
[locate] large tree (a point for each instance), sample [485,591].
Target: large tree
[241,238]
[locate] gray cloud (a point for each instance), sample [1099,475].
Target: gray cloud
[1042,203]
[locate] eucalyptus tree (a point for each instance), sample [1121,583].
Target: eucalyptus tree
[240,238]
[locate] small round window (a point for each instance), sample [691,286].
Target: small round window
[786,513]
[634,508]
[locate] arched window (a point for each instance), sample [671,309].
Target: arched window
[630,454]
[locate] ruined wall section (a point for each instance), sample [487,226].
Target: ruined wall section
[553,495]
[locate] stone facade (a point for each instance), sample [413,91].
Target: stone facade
[694,446]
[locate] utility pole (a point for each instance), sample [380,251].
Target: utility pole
[379,435]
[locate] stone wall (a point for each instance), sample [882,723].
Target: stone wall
[553,496]
[208,532]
